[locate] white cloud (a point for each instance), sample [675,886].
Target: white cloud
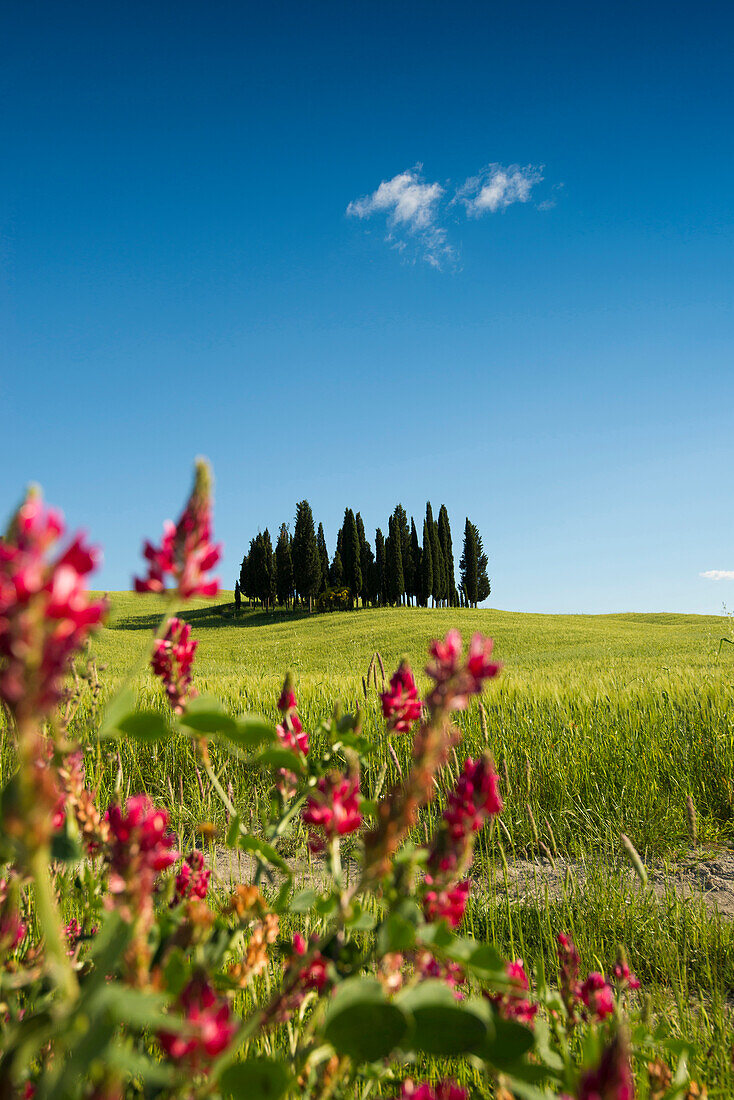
[416,210]
[495,188]
[718,574]
[405,198]
[412,209]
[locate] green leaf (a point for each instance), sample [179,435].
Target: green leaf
[260,848]
[135,1008]
[442,1026]
[205,714]
[123,1057]
[120,707]
[362,1023]
[176,971]
[256,1079]
[250,731]
[505,1043]
[277,757]
[233,832]
[145,725]
[361,919]
[303,901]
[65,848]
[395,934]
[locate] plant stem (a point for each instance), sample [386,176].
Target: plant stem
[50,922]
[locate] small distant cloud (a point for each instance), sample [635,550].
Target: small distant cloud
[415,209]
[411,206]
[718,574]
[495,188]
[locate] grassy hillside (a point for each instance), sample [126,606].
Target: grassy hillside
[603,723]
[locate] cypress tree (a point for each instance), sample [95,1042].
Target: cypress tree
[444,536]
[351,554]
[336,572]
[380,567]
[483,586]
[323,558]
[237,596]
[426,566]
[269,559]
[403,533]
[436,556]
[416,589]
[283,567]
[305,551]
[367,561]
[469,564]
[245,586]
[394,555]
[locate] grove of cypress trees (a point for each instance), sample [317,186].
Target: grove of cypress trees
[305,552]
[444,537]
[380,567]
[426,566]
[284,567]
[469,564]
[323,558]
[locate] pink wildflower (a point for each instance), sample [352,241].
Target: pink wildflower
[478,664]
[291,735]
[514,1005]
[401,705]
[598,996]
[140,846]
[455,682]
[448,904]
[314,975]
[333,808]
[45,611]
[612,1079]
[186,553]
[287,700]
[568,959]
[444,1090]
[624,977]
[12,928]
[192,881]
[475,797]
[173,659]
[210,1026]
[428,966]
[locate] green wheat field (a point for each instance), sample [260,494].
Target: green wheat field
[600,725]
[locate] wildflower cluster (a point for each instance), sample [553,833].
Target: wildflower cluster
[126,976]
[332,810]
[45,611]
[186,553]
[173,660]
[474,798]
[401,705]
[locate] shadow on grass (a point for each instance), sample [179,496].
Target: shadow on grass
[219,615]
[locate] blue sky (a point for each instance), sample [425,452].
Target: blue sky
[182,273]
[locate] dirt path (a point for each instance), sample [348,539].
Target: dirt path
[705,876]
